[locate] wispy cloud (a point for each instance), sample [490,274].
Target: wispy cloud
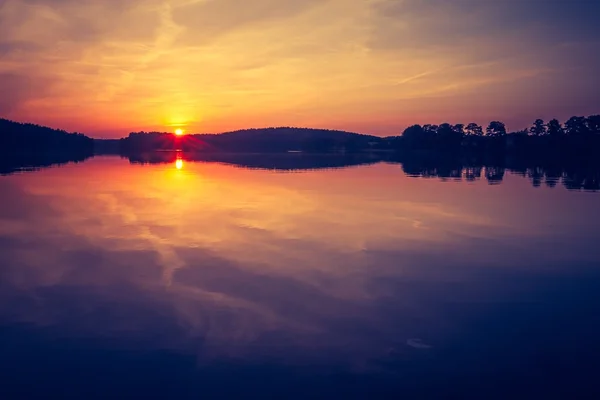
[373,65]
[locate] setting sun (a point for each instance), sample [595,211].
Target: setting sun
[179,132]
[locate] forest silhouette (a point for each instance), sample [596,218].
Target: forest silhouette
[575,177]
[579,138]
[578,134]
[546,153]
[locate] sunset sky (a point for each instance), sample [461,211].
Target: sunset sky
[373,66]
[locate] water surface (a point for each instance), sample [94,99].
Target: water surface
[203,279]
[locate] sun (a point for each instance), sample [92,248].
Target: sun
[179,132]
[179,163]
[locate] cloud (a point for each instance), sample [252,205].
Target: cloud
[14,48]
[218,65]
[56,274]
[205,21]
[18,89]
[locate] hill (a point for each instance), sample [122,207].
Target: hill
[267,140]
[17,137]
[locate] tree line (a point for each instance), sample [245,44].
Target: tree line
[577,177]
[263,140]
[447,136]
[578,136]
[16,137]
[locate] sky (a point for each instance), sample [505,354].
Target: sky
[106,68]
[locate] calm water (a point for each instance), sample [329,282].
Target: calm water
[207,280]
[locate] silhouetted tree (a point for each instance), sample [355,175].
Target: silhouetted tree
[459,128]
[576,126]
[414,132]
[593,124]
[18,137]
[521,133]
[444,129]
[420,137]
[474,130]
[447,136]
[538,128]
[496,129]
[554,128]
[430,130]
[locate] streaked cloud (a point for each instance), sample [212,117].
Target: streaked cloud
[368,65]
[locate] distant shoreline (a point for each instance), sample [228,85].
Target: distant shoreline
[575,141]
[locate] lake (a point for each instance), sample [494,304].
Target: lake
[201,279]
